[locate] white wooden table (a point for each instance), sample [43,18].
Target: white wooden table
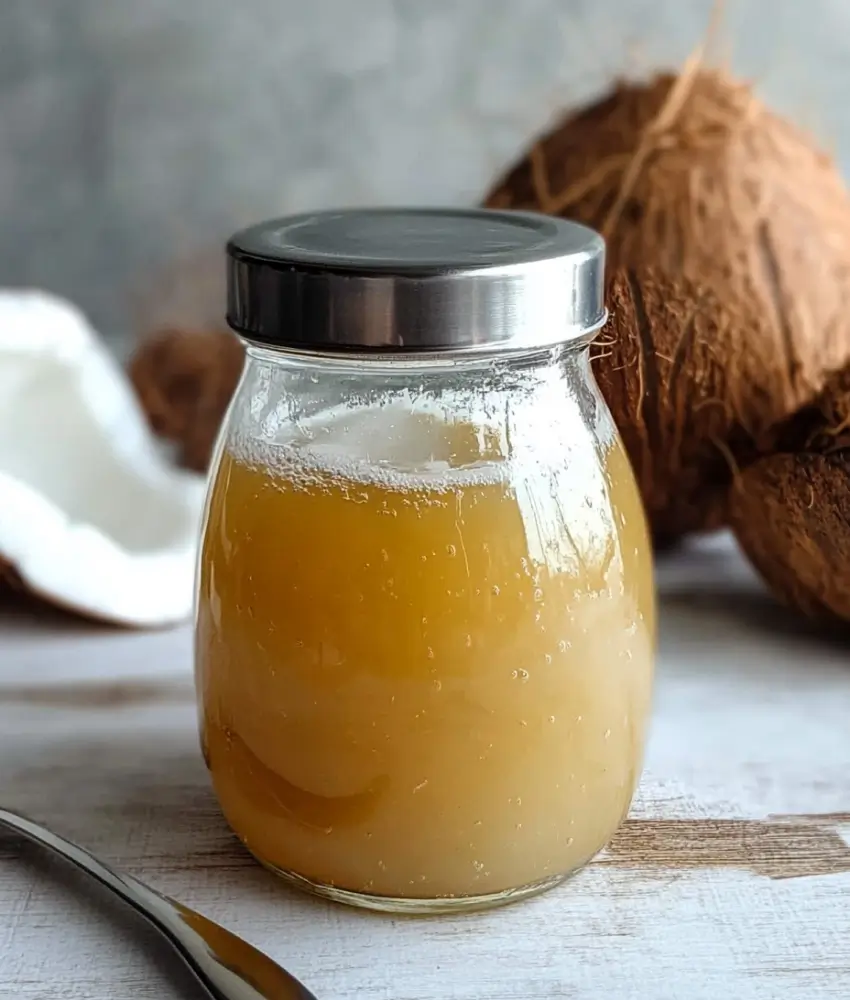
[731,881]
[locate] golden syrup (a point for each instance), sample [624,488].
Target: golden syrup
[424,684]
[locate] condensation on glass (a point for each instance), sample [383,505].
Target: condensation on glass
[425,625]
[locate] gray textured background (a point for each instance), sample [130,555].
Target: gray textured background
[137,133]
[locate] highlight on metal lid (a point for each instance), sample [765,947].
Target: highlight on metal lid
[414,280]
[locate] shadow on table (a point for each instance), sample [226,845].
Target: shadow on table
[709,594]
[698,611]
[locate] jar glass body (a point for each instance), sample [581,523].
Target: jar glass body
[425,624]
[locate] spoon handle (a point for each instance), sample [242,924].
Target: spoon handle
[138,895]
[228,967]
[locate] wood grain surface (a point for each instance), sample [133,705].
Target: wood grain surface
[731,877]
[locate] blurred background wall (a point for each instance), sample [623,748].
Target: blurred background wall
[136,133]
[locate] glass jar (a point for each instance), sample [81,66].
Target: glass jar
[425,624]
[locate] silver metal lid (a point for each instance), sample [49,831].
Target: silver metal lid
[416,280]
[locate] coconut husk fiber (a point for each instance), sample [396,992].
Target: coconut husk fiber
[184,379]
[790,511]
[728,237]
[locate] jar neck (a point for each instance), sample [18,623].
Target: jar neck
[385,364]
[286,396]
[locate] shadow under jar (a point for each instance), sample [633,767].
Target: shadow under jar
[425,626]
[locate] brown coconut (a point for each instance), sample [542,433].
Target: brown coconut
[184,380]
[728,238]
[790,511]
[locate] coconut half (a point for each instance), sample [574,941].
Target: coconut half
[92,516]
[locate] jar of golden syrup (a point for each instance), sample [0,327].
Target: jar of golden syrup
[425,625]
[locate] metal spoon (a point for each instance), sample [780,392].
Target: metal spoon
[228,967]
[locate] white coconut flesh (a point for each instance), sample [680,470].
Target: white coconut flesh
[92,516]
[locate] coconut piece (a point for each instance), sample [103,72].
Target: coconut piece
[185,379]
[729,261]
[92,517]
[790,511]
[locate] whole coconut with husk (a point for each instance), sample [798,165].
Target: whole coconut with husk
[728,238]
[790,511]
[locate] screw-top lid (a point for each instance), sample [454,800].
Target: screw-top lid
[415,280]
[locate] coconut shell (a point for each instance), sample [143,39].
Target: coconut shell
[664,336]
[791,515]
[791,511]
[184,380]
[728,239]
